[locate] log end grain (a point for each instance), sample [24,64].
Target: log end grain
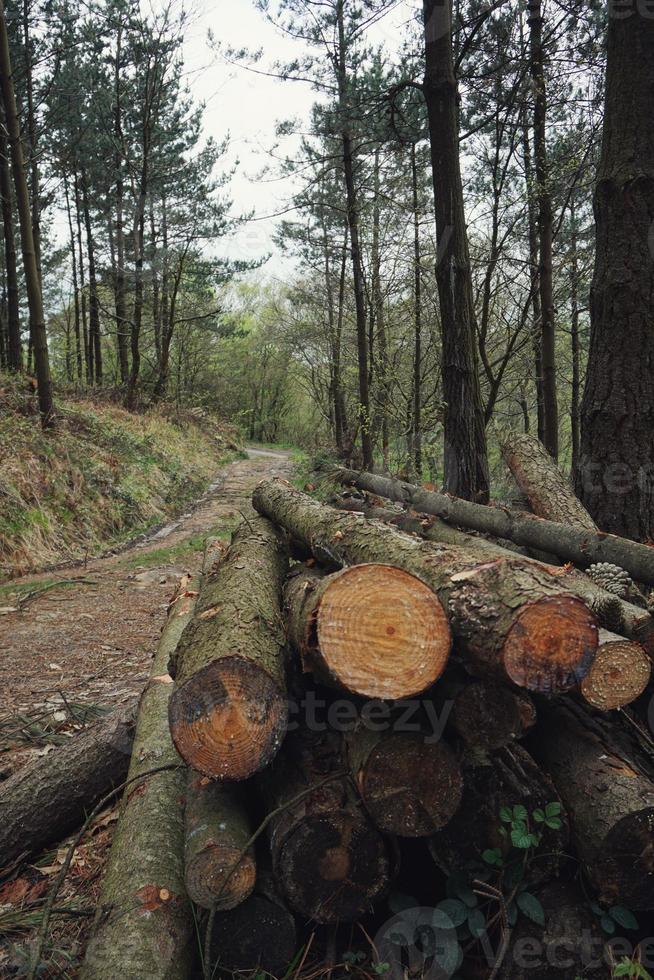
[382,632]
[213,879]
[619,674]
[551,645]
[410,787]
[491,715]
[333,866]
[625,871]
[228,719]
[258,936]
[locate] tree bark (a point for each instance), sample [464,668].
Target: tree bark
[614,478]
[217,830]
[330,863]
[466,462]
[542,482]
[545,231]
[73,256]
[94,308]
[581,547]
[410,786]
[259,935]
[417,322]
[533,284]
[372,629]
[122,326]
[492,781]
[509,618]
[14,345]
[32,279]
[612,612]
[49,797]
[228,709]
[144,922]
[620,673]
[606,785]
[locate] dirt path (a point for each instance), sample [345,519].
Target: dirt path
[91,641]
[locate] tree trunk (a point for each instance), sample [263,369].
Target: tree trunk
[365,420]
[572,544]
[257,937]
[545,231]
[228,709]
[417,323]
[14,345]
[509,618]
[534,276]
[73,256]
[144,922]
[410,786]
[122,326]
[607,788]
[88,346]
[542,482]
[620,673]
[372,629]
[217,830]
[614,478]
[466,462]
[383,399]
[492,781]
[94,308]
[331,864]
[49,797]
[612,612]
[574,338]
[32,280]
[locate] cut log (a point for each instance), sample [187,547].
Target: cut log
[606,784]
[409,785]
[144,923]
[228,710]
[217,829]
[372,629]
[614,614]
[568,946]
[548,492]
[330,862]
[582,547]
[511,618]
[51,796]
[257,937]
[506,778]
[491,715]
[619,675]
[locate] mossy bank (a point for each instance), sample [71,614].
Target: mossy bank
[100,477]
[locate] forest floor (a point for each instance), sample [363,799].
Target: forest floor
[81,642]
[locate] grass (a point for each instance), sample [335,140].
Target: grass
[102,476]
[177,552]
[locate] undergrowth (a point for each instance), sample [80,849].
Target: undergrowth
[101,476]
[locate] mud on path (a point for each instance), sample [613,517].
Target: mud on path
[90,641]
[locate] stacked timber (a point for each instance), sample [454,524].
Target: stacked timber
[406,713]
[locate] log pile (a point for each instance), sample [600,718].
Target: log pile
[406,709]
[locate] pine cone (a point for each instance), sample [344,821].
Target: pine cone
[612,578]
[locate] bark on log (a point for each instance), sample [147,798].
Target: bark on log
[259,935]
[330,862]
[491,715]
[620,673]
[582,547]
[505,778]
[606,784]
[228,709]
[569,945]
[50,796]
[409,785]
[511,618]
[548,492]
[217,829]
[144,924]
[372,629]
[614,614]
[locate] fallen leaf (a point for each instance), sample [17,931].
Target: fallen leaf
[209,613]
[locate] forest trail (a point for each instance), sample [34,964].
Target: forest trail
[90,641]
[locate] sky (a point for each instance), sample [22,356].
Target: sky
[248,106]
